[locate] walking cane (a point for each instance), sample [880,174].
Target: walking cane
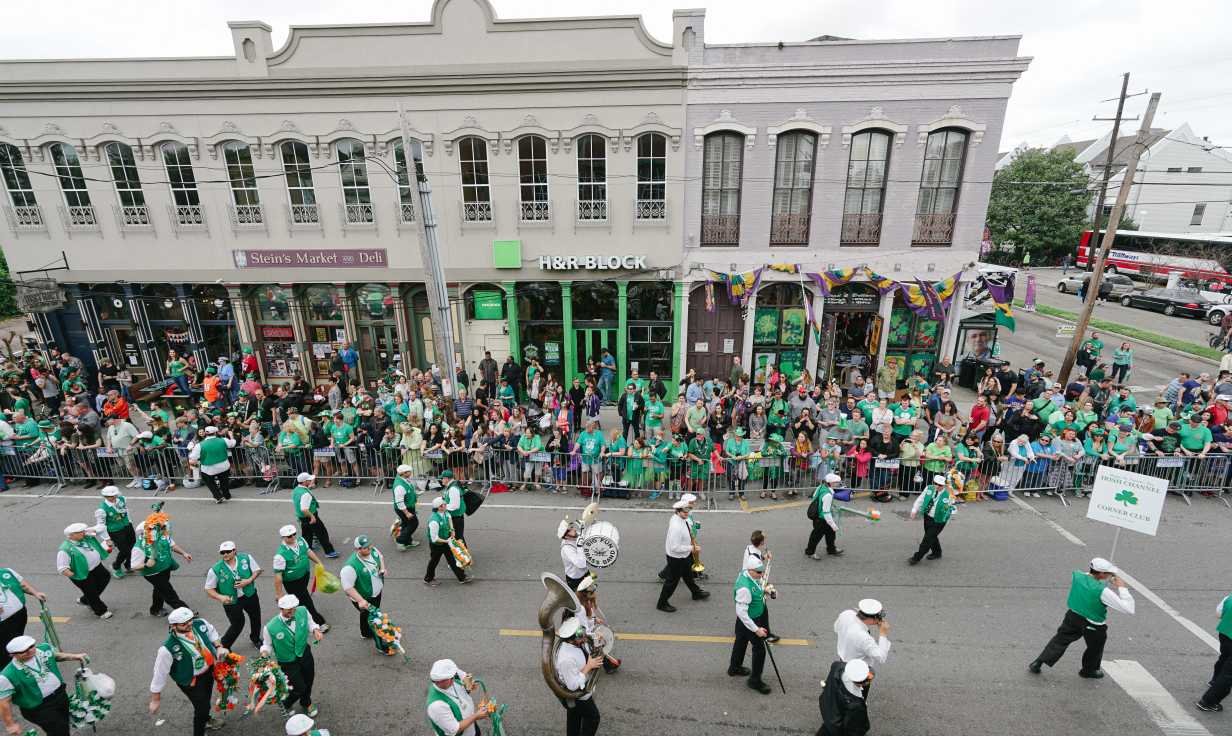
[770,653]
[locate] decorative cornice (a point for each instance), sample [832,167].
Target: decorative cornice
[650,124]
[725,121]
[799,121]
[591,126]
[168,132]
[388,139]
[229,131]
[344,130]
[953,118]
[471,127]
[876,119]
[530,126]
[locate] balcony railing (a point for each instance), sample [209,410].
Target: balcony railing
[360,214]
[650,209]
[26,218]
[933,229]
[188,215]
[247,215]
[861,229]
[136,217]
[81,218]
[476,211]
[540,211]
[720,229]
[788,229]
[406,212]
[592,210]
[307,215]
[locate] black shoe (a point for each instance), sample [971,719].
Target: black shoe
[81,600]
[666,608]
[1035,667]
[836,552]
[739,672]
[913,560]
[701,595]
[1216,708]
[773,639]
[760,686]
[934,556]
[1091,674]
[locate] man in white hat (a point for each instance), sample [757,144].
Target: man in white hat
[937,503]
[842,702]
[188,657]
[854,640]
[301,725]
[752,626]
[1091,594]
[451,712]
[231,582]
[13,591]
[308,511]
[576,567]
[112,515]
[363,580]
[286,636]
[32,682]
[679,547]
[589,615]
[153,559]
[690,501]
[572,669]
[210,454]
[293,565]
[80,559]
[405,498]
[440,530]
[825,525]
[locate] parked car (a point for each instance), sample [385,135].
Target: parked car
[1172,302]
[1216,312]
[1113,286]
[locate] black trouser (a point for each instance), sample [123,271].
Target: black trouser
[678,568]
[315,531]
[300,674]
[299,589]
[1074,627]
[574,582]
[51,715]
[931,542]
[163,592]
[582,718]
[626,424]
[1221,681]
[199,695]
[459,526]
[92,587]
[439,551]
[219,485]
[744,637]
[250,604]
[364,629]
[123,539]
[11,628]
[410,522]
[821,529]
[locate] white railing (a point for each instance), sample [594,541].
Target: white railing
[26,217]
[406,212]
[136,217]
[536,211]
[359,214]
[247,215]
[305,214]
[592,210]
[79,218]
[476,211]
[650,209]
[188,215]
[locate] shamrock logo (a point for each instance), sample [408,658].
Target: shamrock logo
[1126,497]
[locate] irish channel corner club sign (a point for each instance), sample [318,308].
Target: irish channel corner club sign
[1129,500]
[311,258]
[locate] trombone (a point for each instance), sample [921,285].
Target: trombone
[697,567]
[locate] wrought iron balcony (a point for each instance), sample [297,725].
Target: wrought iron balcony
[788,229]
[861,229]
[720,229]
[538,211]
[247,215]
[360,214]
[406,212]
[933,229]
[650,209]
[476,211]
[188,215]
[27,218]
[305,215]
[135,217]
[592,210]
[82,218]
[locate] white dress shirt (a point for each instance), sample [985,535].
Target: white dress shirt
[743,599]
[267,644]
[211,580]
[162,660]
[751,554]
[9,602]
[40,667]
[679,543]
[305,501]
[1118,599]
[854,641]
[573,559]
[570,659]
[92,558]
[453,498]
[348,575]
[440,714]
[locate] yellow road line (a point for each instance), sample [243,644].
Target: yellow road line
[686,638]
[784,505]
[60,619]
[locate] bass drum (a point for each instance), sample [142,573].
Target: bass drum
[600,544]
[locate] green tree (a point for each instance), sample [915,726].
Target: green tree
[1038,203]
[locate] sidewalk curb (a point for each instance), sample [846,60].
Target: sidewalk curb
[1164,348]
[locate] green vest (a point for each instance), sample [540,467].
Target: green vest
[932,506]
[182,659]
[76,558]
[405,490]
[297,560]
[461,499]
[296,495]
[213,451]
[435,695]
[161,554]
[444,523]
[758,605]
[289,645]
[116,517]
[363,578]
[1084,593]
[26,692]
[1225,618]
[226,578]
[9,581]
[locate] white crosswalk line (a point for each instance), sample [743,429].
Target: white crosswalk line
[1164,709]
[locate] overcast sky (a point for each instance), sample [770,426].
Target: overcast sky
[1080,47]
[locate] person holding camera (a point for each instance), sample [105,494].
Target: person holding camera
[854,639]
[1091,594]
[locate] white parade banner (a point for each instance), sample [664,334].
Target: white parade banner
[1127,500]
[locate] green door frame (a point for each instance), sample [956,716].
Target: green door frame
[609,334]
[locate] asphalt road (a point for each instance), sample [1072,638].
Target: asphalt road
[963,628]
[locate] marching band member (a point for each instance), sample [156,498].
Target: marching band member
[286,636]
[293,573]
[405,498]
[112,514]
[301,725]
[854,641]
[188,657]
[451,712]
[80,559]
[825,524]
[454,504]
[1091,594]
[13,591]
[690,501]
[1221,681]
[440,531]
[363,580]
[937,503]
[753,553]
[843,709]
[572,667]
[231,582]
[32,682]
[679,547]
[576,567]
[588,595]
[750,628]
[307,510]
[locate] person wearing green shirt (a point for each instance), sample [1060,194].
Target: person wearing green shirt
[635,465]
[772,464]
[1089,352]
[937,504]
[13,591]
[80,559]
[590,446]
[1196,439]
[1086,416]
[187,658]
[232,582]
[677,451]
[1122,362]
[654,415]
[308,511]
[26,432]
[33,683]
[1044,407]
[406,495]
[175,371]
[736,453]
[904,418]
[825,525]
[286,637]
[112,513]
[1123,400]
[1161,413]
[363,581]
[529,446]
[1091,594]
[614,453]
[1221,681]
[342,438]
[937,455]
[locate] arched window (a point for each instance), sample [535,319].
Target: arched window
[940,181]
[651,177]
[213,302]
[25,214]
[793,188]
[406,190]
[592,177]
[533,178]
[68,171]
[298,173]
[476,194]
[246,200]
[180,173]
[353,168]
[866,181]
[722,169]
[374,302]
[127,184]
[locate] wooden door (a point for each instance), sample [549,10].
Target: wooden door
[714,337]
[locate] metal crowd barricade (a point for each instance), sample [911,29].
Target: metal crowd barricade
[37,462]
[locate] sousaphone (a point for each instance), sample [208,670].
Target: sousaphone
[558,604]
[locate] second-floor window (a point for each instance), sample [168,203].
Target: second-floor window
[353,168]
[940,181]
[68,171]
[16,178]
[180,174]
[127,183]
[533,178]
[793,188]
[476,192]
[240,174]
[866,181]
[300,190]
[722,168]
[651,176]
[406,190]
[592,177]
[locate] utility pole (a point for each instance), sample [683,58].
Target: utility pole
[434,272]
[1114,220]
[1116,134]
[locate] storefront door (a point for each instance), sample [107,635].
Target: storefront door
[124,343]
[378,347]
[589,343]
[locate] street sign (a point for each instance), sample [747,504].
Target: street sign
[1066,330]
[1128,500]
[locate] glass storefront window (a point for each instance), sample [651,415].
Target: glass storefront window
[595,301]
[162,303]
[650,301]
[273,304]
[324,304]
[109,302]
[538,300]
[374,302]
[780,331]
[213,303]
[650,349]
[546,342]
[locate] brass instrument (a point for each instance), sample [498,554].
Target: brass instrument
[697,567]
[766,587]
[558,603]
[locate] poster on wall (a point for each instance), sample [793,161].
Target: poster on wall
[791,362]
[488,304]
[766,326]
[900,328]
[551,353]
[793,329]
[760,363]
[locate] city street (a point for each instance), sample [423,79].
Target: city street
[963,627]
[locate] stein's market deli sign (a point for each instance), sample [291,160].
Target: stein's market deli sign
[311,258]
[592,263]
